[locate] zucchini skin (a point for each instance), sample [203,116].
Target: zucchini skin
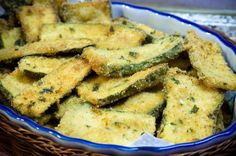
[121,66]
[47,48]
[153,76]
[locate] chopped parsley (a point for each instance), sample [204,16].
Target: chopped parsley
[96,87]
[47,90]
[175,80]
[133,54]
[72,29]
[194,109]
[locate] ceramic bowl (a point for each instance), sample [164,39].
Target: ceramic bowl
[167,23]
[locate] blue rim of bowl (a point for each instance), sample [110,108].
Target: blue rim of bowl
[219,137]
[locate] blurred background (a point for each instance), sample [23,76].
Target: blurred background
[217,14]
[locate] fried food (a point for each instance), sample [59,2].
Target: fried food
[192,108]
[124,62]
[206,57]
[35,100]
[45,48]
[102,91]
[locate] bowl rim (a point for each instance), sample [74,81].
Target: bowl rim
[206,142]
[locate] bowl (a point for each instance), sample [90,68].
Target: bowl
[166,23]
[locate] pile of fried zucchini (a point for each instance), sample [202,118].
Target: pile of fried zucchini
[73,68]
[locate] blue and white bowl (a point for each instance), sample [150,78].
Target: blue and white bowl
[167,23]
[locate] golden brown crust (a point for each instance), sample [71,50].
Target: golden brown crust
[32,19]
[102,90]
[40,65]
[35,100]
[192,109]
[207,59]
[105,126]
[14,83]
[104,35]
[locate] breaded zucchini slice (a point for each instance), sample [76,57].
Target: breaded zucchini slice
[102,90]
[32,19]
[39,66]
[127,61]
[206,57]
[11,38]
[50,89]
[45,48]
[105,126]
[104,35]
[191,110]
[151,31]
[146,102]
[86,12]
[14,83]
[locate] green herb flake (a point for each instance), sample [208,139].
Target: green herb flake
[175,80]
[112,29]
[133,54]
[29,12]
[191,99]
[31,104]
[118,124]
[46,90]
[124,22]
[211,116]
[41,98]
[122,57]
[189,130]
[181,121]
[96,87]
[194,109]
[72,29]
[173,124]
